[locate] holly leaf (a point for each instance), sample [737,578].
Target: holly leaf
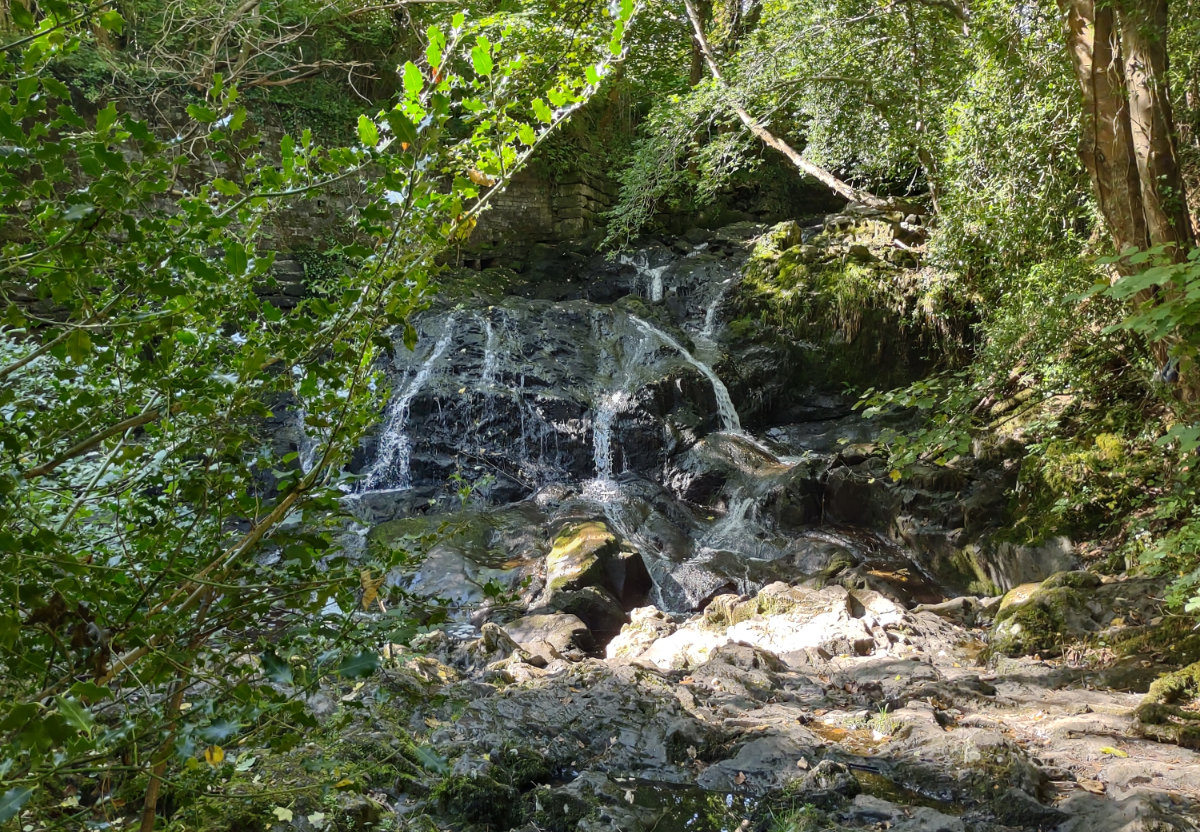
[355,667]
[13,799]
[79,346]
[414,81]
[78,212]
[75,714]
[435,47]
[202,114]
[220,731]
[481,56]
[402,128]
[276,669]
[368,133]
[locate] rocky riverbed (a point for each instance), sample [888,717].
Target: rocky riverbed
[683,591]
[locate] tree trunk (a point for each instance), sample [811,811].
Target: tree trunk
[842,189]
[1144,39]
[1128,142]
[696,70]
[1106,141]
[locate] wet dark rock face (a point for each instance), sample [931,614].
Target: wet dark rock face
[610,388]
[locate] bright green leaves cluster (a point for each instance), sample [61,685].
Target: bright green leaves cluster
[153,522]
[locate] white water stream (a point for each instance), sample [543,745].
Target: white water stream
[730,422]
[393,457]
[653,277]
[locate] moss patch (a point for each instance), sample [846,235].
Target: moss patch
[1037,618]
[1170,711]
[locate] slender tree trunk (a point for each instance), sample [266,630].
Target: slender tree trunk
[1128,142]
[1106,141]
[1144,40]
[696,70]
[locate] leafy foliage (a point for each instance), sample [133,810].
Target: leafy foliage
[173,578]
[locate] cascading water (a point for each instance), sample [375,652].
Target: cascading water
[710,313]
[491,359]
[393,457]
[730,422]
[602,432]
[651,276]
[308,446]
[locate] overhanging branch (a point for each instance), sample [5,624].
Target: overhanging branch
[842,189]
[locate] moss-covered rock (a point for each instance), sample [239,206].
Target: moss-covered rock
[1170,711]
[491,796]
[577,557]
[1042,618]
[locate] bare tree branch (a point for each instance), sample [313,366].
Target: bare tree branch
[842,189]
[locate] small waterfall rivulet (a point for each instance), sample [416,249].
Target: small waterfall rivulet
[491,358]
[652,277]
[393,457]
[730,422]
[602,432]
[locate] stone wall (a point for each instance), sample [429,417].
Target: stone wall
[539,207]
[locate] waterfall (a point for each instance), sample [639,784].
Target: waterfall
[710,314]
[308,446]
[393,457]
[652,276]
[726,532]
[602,432]
[491,359]
[730,422]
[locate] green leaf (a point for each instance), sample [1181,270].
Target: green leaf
[527,134]
[219,731]
[368,133]
[24,19]
[276,669]
[202,114]
[458,20]
[593,77]
[1135,283]
[481,56]
[106,118]
[79,346]
[287,151]
[271,313]
[187,337]
[414,81]
[435,46]
[403,129]
[235,258]
[13,799]
[430,760]
[617,44]
[225,187]
[542,111]
[75,714]
[79,211]
[89,691]
[364,664]
[112,21]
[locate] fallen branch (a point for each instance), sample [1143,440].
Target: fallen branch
[842,189]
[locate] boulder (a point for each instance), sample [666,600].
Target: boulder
[578,556]
[559,631]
